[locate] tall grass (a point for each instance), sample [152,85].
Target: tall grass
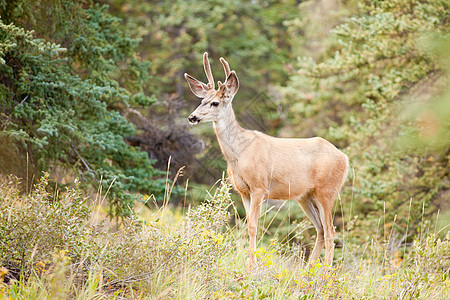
[53,246]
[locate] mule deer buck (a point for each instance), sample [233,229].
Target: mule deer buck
[310,171]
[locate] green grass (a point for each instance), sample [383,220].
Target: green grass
[57,246]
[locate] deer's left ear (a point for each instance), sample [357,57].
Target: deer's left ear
[197,87]
[231,85]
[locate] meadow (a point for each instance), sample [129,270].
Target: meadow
[62,246]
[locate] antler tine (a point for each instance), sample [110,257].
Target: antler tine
[208,72]
[226,67]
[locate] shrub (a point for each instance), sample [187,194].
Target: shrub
[47,238]
[33,226]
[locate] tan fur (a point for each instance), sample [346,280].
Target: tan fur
[310,171]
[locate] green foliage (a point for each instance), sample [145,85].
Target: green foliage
[432,119]
[374,66]
[175,34]
[62,105]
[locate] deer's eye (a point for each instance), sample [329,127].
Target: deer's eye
[215,104]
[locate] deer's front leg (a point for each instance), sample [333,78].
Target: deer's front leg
[252,222]
[246,202]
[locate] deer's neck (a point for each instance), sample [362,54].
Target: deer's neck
[233,139]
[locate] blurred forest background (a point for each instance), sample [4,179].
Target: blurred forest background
[92,93]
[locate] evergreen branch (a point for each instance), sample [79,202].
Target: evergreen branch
[83,161]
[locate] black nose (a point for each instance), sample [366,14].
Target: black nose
[192,119]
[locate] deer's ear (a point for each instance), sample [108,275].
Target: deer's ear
[197,87]
[231,85]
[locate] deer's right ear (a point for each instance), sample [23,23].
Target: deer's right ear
[197,87]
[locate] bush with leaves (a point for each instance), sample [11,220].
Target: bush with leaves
[34,225]
[41,231]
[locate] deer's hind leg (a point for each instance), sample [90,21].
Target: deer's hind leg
[324,201]
[312,212]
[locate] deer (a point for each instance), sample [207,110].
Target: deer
[310,171]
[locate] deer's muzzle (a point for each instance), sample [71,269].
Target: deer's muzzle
[193,119]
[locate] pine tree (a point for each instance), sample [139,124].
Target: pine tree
[62,89]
